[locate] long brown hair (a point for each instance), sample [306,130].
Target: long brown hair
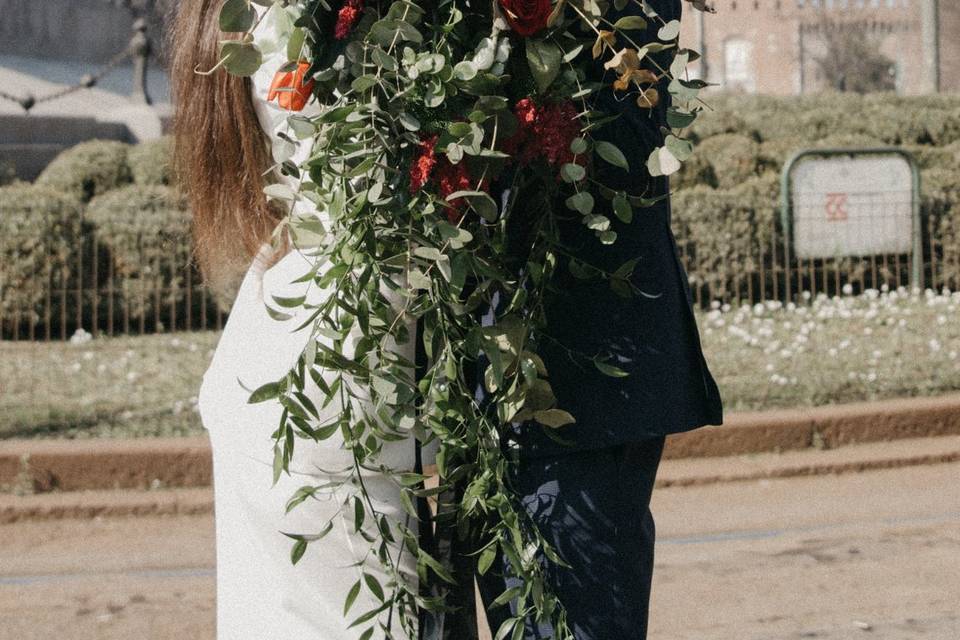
[220,149]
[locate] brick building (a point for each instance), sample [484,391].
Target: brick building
[773,46]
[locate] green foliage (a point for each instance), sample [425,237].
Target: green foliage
[941,207]
[414,104]
[88,169]
[724,161]
[151,162]
[891,119]
[145,232]
[8,173]
[728,229]
[39,248]
[726,218]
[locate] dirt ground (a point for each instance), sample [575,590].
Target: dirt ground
[874,555]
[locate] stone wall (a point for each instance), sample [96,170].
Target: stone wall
[771,46]
[89,30]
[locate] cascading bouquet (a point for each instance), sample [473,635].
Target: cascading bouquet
[450,137]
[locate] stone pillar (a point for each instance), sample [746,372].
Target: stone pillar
[930,30]
[702,45]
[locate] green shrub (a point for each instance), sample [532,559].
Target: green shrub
[150,162]
[941,211]
[40,245]
[731,158]
[726,202]
[713,123]
[775,153]
[88,169]
[8,173]
[728,234]
[146,232]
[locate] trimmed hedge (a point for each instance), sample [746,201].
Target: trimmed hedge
[150,162]
[892,119]
[941,207]
[727,195]
[146,231]
[40,245]
[89,169]
[726,233]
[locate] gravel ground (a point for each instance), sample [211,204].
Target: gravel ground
[869,555]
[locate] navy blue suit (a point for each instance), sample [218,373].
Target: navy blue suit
[590,496]
[652,337]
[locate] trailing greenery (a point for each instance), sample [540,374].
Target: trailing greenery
[88,169]
[448,144]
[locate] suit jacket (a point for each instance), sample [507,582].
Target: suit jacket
[653,337]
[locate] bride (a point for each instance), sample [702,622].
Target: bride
[223,129]
[590,498]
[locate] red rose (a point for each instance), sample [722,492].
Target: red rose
[450,179]
[527,17]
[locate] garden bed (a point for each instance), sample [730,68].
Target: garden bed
[830,350]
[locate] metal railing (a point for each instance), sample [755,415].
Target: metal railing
[765,273]
[96,289]
[139,50]
[147,291]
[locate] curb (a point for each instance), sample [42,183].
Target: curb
[826,427]
[42,466]
[689,472]
[88,505]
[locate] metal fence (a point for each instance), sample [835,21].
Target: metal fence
[147,290]
[767,274]
[859,223]
[148,287]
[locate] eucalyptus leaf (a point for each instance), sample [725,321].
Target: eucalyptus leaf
[609,152]
[241,59]
[544,59]
[237,16]
[553,418]
[669,31]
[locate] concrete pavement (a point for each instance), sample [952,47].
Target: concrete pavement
[874,554]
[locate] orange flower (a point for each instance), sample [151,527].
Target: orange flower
[289,89]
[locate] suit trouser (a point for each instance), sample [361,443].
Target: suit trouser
[594,507]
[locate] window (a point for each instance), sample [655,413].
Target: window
[738,65]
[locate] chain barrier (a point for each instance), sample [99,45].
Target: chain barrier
[139,50]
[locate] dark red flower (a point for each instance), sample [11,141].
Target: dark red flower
[544,131]
[527,17]
[450,179]
[558,128]
[347,18]
[422,167]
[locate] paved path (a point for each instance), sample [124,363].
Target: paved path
[874,555]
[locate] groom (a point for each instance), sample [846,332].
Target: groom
[590,494]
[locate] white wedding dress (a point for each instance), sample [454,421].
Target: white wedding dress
[261,595]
